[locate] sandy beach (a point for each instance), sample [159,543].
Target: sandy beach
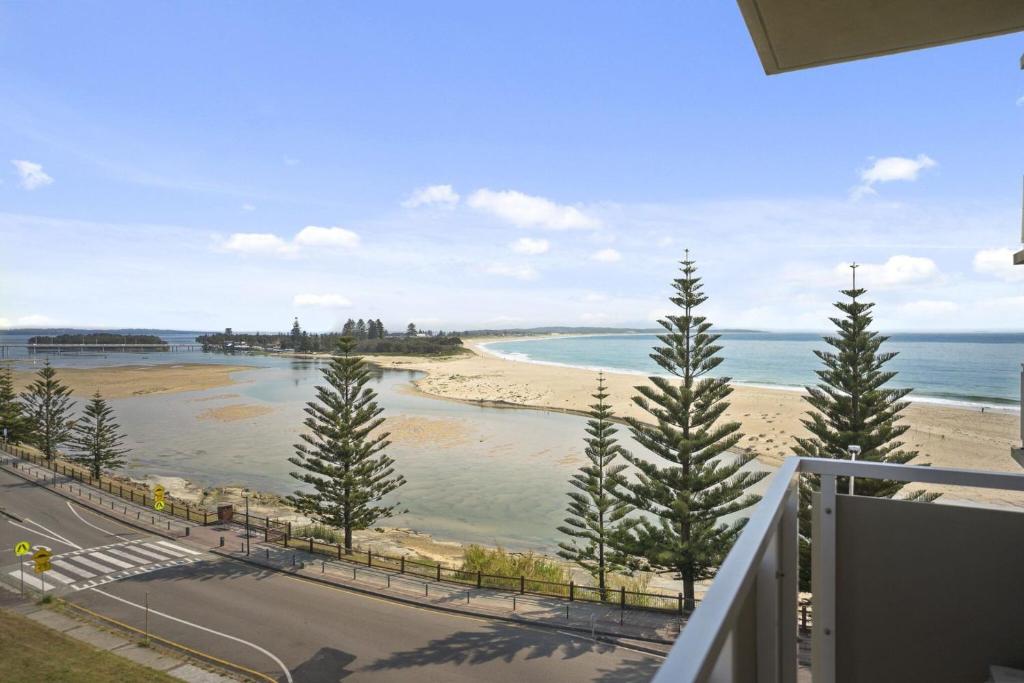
[946,436]
[125,381]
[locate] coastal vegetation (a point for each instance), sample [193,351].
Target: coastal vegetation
[97,339]
[370,337]
[48,405]
[97,439]
[500,562]
[596,511]
[342,454]
[693,480]
[851,406]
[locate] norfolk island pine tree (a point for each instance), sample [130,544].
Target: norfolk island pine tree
[851,406]
[691,482]
[48,406]
[342,453]
[12,413]
[97,439]
[595,510]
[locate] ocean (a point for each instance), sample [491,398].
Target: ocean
[963,368]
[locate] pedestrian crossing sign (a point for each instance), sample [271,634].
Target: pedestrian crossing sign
[22,548]
[159,504]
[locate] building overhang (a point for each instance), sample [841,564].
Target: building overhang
[1018,258]
[799,34]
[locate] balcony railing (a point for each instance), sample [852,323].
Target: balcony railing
[901,590]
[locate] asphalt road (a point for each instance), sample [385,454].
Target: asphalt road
[296,630]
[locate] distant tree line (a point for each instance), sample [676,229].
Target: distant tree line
[370,337]
[97,338]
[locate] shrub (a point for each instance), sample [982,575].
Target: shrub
[502,563]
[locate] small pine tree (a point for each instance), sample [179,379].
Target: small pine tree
[691,482]
[852,406]
[361,329]
[595,511]
[371,329]
[48,406]
[342,455]
[410,331]
[97,439]
[381,332]
[296,335]
[12,414]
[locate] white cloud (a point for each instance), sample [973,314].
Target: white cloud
[594,297]
[929,307]
[314,236]
[519,272]
[257,243]
[32,174]
[896,271]
[594,317]
[1020,101]
[248,207]
[321,300]
[529,245]
[998,263]
[442,195]
[606,256]
[526,211]
[32,320]
[888,169]
[288,161]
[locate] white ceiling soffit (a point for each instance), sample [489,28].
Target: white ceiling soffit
[798,34]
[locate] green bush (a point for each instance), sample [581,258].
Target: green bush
[499,562]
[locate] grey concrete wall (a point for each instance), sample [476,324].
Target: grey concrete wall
[927,592]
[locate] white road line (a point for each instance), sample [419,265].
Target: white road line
[110,560]
[134,559]
[82,559]
[53,533]
[180,550]
[72,569]
[31,580]
[83,521]
[287,673]
[57,576]
[39,533]
[149,553]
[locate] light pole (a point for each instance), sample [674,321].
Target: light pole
[854,452]
[245,494]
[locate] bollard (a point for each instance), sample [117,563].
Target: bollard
[168,526]
[186,530]
[467,597]
[267,550]
[138,515]
[221,541]
[402,566]
[567,612]
[241,546]
[369,558]
[389,580]
[513,603]
[353,572]
[125,509]
[323,567]
[152,519]
[293,559]
[426,589]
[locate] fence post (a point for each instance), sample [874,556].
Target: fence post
[369,558]
[522,584]
[622,597]
[310,544]
[680,598]
[402,565]
[572,591]
[479,578]
[438,571]
[339,550]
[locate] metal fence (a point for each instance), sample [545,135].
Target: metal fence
[279,532]
[127,491]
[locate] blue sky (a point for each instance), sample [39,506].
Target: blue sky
[200,165]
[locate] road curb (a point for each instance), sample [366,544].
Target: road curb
[600,636]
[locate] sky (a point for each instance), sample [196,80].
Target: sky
[195,165]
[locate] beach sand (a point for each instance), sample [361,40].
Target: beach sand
[234,412]
[946,436]
[125,381]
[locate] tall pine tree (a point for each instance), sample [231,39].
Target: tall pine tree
[692,482]
[342,455]
[97,440]
[296,335]
[12,414]
[851,406]
[48,406]
[595,511]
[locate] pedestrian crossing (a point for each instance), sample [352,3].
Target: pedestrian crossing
[81,569]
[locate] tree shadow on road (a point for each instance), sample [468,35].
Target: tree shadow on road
[204,570]
[492,643]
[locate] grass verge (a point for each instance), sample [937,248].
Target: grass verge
[31,652]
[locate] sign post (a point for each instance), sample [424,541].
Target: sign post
[158,497]
[22,548]
[41,557]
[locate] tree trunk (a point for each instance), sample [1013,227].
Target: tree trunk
[689,599]
[348,538]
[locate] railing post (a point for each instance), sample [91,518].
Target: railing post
[572,591]
[369,558]
[789,590]
[401,569]
[438,571]
[522,585]
[479,579]
[310,544]
[622,597]
[823,583]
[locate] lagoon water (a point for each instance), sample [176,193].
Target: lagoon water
[977,368]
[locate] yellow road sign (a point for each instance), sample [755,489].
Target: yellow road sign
[22,548]
[159,491]
[42,559]
[159,505]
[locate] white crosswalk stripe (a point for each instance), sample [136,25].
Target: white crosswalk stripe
[80,569]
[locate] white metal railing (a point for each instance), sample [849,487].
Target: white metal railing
[745,628]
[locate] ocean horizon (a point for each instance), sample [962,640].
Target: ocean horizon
[971,369]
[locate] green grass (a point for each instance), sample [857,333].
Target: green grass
[320,532]
[30,653]
[500,562]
